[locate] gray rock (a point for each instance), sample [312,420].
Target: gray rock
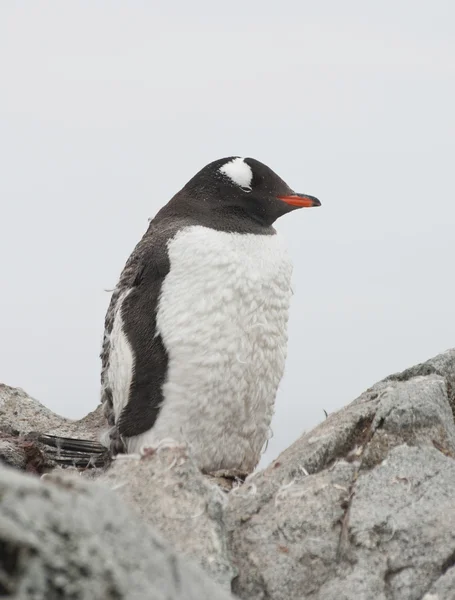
[21,414]
[414,412]
[361,507]
[402,509]
[170,493]
[23,454]
[68,538]
[352,509]
[444,588]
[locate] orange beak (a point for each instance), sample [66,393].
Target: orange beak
[300,200]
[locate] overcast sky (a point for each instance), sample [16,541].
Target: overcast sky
[107,108]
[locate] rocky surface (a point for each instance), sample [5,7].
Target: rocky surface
[21,414]
[361,507]
[169,492]
[68,538]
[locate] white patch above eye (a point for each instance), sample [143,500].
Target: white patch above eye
[238,172]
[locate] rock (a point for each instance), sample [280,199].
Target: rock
[399,510]
[68,538]
[170,493]
[360,507]
[23,454]
[351,509]
[22,414]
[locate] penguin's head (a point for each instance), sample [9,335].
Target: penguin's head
[245,186]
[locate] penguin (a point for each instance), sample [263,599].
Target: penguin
[195,338]
[196,331]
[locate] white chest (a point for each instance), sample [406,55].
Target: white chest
[222,316]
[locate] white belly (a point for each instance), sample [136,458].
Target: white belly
[222,316]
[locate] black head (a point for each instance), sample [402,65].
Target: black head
[237,191]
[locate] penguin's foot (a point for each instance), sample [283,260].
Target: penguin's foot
[234,474]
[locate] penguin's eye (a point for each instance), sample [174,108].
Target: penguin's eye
[246,189]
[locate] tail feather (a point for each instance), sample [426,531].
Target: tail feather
[75,452]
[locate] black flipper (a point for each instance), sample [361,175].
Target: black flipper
[139,310]
[142,276]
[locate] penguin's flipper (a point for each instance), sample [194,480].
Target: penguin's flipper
[139,313]
[142,278]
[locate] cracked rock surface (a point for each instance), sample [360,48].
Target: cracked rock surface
[362,507]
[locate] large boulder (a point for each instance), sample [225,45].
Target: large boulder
[65,537]
[362,506]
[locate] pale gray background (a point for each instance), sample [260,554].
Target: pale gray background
[107,108]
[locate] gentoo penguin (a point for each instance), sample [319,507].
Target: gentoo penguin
[196,331]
